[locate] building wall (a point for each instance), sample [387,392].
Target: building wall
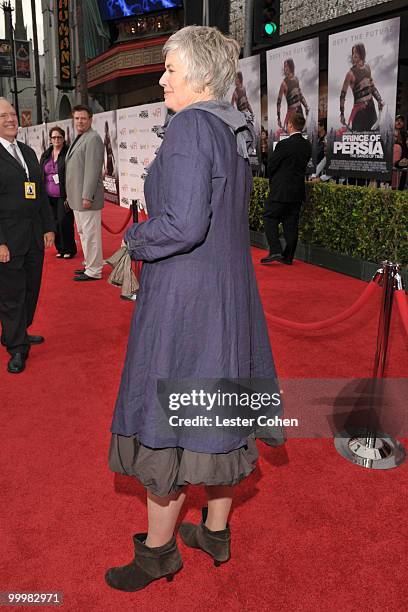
[297,14]
[53,95]
[237,20]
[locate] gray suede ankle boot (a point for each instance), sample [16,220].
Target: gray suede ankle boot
[217,544]
[149,564]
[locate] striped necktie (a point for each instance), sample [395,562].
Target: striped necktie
[13,151]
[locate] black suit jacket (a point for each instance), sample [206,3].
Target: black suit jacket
[22,220]
[286,169]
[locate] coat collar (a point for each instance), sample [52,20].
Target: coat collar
[7,157]
[239,123]
[76,142]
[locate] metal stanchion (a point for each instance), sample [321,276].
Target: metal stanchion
[371,448]
[135,213]
[135,219]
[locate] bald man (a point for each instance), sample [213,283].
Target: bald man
[26,228]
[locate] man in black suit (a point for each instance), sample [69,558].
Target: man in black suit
[26,227]
[286,172]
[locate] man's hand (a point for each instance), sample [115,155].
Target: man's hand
[4,253]
[49,239]
[87,204]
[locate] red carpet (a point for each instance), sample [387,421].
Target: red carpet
[310,530]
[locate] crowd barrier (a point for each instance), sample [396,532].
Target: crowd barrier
[122,228]
[371,288]
[369,448]
[401,300]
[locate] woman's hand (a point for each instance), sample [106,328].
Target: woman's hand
[49,239]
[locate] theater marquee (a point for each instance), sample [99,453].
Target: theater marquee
[64,46]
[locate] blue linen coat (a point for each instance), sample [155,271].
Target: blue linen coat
[198,312]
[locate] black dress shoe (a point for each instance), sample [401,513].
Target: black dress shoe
[81,271]
[287,262]
[272,257]
[35,339]
[85,277]
[17,363]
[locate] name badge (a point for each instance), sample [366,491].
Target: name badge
[55,178]
[29,190]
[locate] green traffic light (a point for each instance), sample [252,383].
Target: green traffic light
[270,28]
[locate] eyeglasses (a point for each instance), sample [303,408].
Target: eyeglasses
[57,138]
[7,115]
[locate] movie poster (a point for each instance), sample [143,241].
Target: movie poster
[245,95]
[26,118]
[138,145]
[22,135]
[105,125]
[6,60]
[38,138]
[293,87]
[23,59]
[363,66]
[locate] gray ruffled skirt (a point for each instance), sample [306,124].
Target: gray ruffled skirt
[164,471]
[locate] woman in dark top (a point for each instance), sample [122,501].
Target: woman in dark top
[198,318]
[53,165]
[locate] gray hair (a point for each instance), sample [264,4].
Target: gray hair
[211,58]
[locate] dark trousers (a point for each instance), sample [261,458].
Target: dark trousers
[20,281]
[286,213]
[64,222]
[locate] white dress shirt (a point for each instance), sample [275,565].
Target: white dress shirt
[6,144]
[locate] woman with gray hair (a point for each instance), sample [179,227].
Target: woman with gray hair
[198,316]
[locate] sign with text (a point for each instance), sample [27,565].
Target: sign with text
[293,88]
[64,46]
[363,67]
[138,143]
[6,61]
[23,59]
[105,125]
[245,95]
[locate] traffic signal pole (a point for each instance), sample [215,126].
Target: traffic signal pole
[249,26]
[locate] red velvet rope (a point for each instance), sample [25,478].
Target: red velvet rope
[401,300]
[111,231]
[364,297]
